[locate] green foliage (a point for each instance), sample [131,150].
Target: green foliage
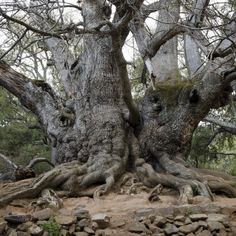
[16,139]
[52,227]
[210,151]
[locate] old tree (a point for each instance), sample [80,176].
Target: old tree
[97,131]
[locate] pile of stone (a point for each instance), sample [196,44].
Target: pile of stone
[190,225]
[190,220]
[80,223]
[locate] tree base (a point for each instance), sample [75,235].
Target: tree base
[72,179]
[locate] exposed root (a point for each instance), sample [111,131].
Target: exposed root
[153,196]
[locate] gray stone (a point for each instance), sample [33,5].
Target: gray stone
[222,233]
[196,217]
[25,226]
[21,233]
[35,230]
[81,234]
[17,219]
[89,230]
[142,213]
[203,224]
[65,220]
[64,232]
[137,228]
[217,217]
[170,229]
[101,219]
[204,233]
[178,223]
[190,228]
[160,221]
[84,223]
[81,213]
[44,214]
[3,226]
[214,225]
[12,232]
[187,221]
[180,218]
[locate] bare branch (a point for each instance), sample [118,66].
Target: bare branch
[227,126]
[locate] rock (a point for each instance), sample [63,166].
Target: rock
[214,225]
[217,217]
[81,234]
[160,221]
[64,232]
[25,226]
[89,230]
[17,219]
[137,228]
[3,227]
[72,229]
[190,228]
[222,233]
[84,223]
[203,224]
[65,220]
[21,233]
[204,233]
[142,213]
[166,211]
[81,213]
[210,208]
[101,219]
[178,223]
[180,218]
[35,230]
[191,234]
[118,223]
[44,214]
[197,217]
[12,232]
[170,229]
[187,221]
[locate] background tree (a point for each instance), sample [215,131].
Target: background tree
[94,126]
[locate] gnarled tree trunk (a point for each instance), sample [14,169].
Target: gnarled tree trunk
[98,132]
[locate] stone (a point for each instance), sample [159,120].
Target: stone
[137,228]
[21,233]
[65,220]
[81,234]
[84,223]
[35,230]
[117,223]
[214,225]
[72,229]
[64,232]
[3,226]
[204,233]
[180,218]
[196,217]
[89,230]
[160,221]
[103,220]
[81,213]
[17,219]
[203,224]
[217,217]
[144,212]
[210,208]
[25,226]
[44,214]
[178,223]
[170,229]
[166,211]
[191,234]
[187,221]
[190,228]
[12,232]
[222,233]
